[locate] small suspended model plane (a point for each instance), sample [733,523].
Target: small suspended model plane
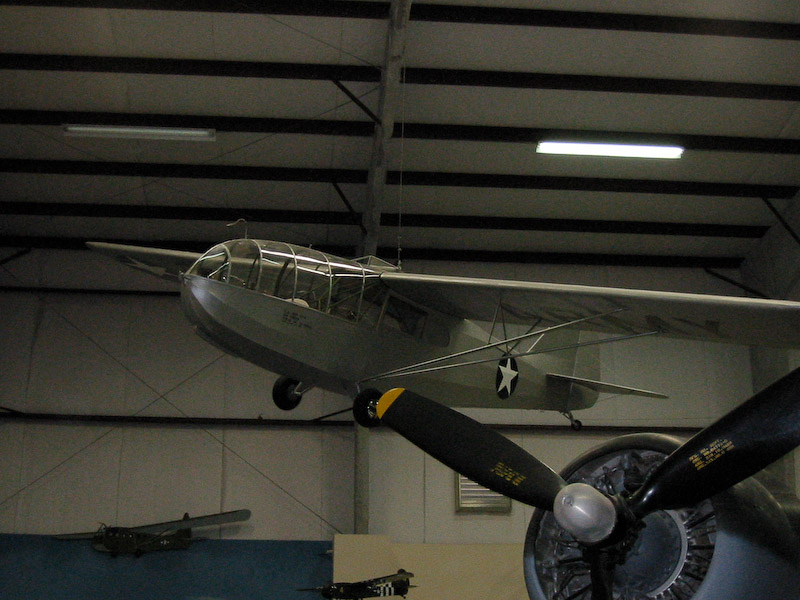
[380,587]
[170,535]
[642,516]
[319,320]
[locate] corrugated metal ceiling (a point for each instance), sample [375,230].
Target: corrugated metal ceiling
[481,85]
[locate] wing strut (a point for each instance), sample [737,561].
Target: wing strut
[426,366]
[413,370]
[499,310]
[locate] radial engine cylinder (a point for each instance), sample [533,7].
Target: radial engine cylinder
[738,545]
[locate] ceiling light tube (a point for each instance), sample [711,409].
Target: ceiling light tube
[141,133]
[603,149]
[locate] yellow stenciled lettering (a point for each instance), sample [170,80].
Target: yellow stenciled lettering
[503,471]
[715,450]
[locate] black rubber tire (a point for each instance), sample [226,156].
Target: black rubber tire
[283,393]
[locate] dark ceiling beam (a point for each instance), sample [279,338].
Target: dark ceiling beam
[412,75]
[568,258]
[481,15]
[426,131]
[188,67]
[432,254]
[591,184]
[170,170]
[407,178]
[485,15]
[353,9]
[252,215]
[483,222]
[602,83]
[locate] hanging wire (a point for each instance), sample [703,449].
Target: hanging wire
[339,48]
[222,443]
[162,182]
[105,434]
[160,396]
[257,9]
[401,190]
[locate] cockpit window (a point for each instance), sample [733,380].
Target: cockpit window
[245,263]
[344,288]
[315,279]
[214,264]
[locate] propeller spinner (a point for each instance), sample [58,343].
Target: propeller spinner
[726,452]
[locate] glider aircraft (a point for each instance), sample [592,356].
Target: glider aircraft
[170,535]
[349,326]
[396,584]
[641,516]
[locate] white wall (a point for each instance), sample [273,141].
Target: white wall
[136,355]
[115,354]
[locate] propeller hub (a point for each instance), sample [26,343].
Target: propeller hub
[585,512]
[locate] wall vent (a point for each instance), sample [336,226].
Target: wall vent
[474,498]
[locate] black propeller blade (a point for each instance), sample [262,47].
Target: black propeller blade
[738,445]
[470,448]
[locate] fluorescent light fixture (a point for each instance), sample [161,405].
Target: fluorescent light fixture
[141,133]
[599,149]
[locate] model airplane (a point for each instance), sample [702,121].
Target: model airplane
[388,585]
[642,516]
[346,325]
[170,535]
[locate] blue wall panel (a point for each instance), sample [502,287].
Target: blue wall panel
[34,567]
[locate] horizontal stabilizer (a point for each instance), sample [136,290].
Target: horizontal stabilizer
[609,388]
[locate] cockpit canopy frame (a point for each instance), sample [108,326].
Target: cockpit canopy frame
[339,287]
[301,275]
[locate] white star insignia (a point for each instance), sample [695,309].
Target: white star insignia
[507,376]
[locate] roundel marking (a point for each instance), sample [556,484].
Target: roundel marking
[507,377]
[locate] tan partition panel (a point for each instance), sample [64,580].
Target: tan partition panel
[441,571]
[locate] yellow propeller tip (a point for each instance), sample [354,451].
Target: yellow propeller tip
[387,399]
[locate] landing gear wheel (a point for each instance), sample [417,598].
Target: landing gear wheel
[573,422]
[284,395]
[364,408]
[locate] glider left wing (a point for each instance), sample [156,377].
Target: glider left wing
[204,521]
[731,319]
[160,262]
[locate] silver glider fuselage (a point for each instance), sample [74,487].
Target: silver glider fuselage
[330,322]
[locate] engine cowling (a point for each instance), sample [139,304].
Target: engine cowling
[738,545]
